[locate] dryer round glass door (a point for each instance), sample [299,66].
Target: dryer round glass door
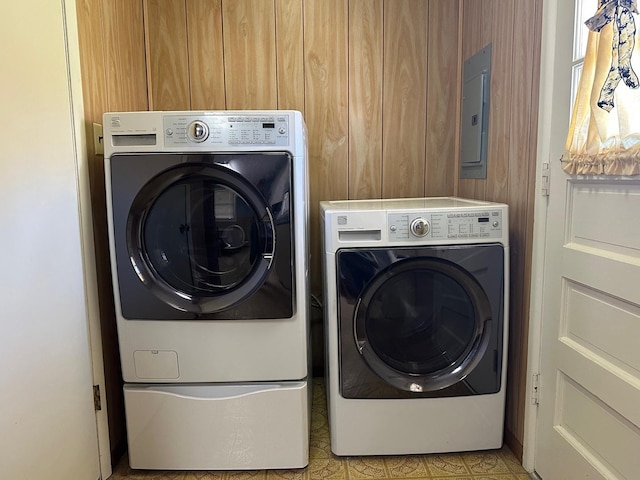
[200,237]
[422,324]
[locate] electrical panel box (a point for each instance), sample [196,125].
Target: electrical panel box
[475,115]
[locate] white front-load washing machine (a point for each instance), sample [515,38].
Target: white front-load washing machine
[415,324]
[208,221]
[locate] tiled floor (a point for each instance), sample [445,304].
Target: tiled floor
[490,465]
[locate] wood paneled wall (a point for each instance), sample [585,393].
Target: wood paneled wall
[378,83]
[513,28]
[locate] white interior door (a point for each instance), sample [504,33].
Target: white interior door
[47,418]
[588,421]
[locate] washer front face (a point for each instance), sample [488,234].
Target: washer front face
[416,322]
[203,236]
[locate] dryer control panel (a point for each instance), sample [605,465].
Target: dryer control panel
[445,225]
[226,130]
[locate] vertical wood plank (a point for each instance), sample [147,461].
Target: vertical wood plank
[250,54]
[501,100]
[536,40]
[510,121]
[206,58]
[517,200]
[443,97]
[404,98]
[477,33]
[167,54]
[327,109]
[290,55]
[125,56]
[456,182]
[486,37]
[365,98]
[522,151]
[476,27]
[92,60]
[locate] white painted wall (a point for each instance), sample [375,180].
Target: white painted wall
[47,423]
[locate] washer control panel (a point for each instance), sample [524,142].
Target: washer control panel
[226,130]
[446,225]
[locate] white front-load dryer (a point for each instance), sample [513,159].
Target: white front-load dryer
[208,221]
[415,324]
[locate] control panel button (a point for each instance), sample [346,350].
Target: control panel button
[198,131]
[419,227]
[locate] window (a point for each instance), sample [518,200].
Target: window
[580,35]
[604,136]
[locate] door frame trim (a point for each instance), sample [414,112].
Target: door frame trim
[552,60]
[72,47]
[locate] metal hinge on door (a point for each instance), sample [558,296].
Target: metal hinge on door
[97,402]
[535,389]
[544,180]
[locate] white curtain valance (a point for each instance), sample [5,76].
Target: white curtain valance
[604,135]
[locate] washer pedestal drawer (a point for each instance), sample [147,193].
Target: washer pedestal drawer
[218,427]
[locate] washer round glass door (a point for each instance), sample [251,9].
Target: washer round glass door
[422,324]
[200,237]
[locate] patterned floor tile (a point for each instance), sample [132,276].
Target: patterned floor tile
[484,463]
[451,478]
[319,448]
[301,474]
[319,394]
[366,467]
[252,475]
[327,468]
[123,471]
[213,476]
[508,476]
[406,467]
[446,466]
[510,460]
[319,420]
[320,443]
